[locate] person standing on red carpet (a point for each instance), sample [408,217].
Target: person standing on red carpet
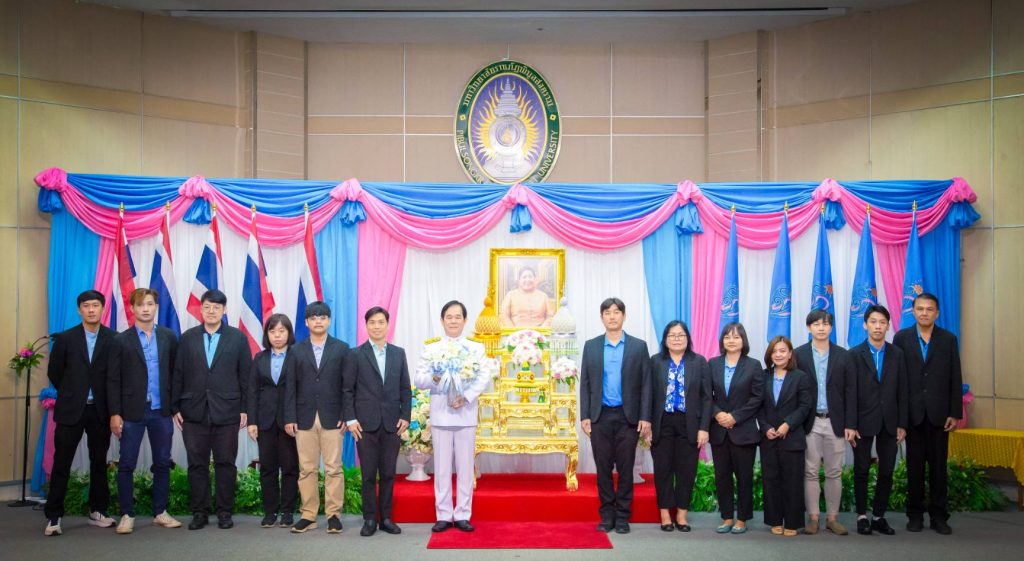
[615,411]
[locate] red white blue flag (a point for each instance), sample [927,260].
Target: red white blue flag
[210,273]
[121,316]
[257,300]
[309,283]
[162,279]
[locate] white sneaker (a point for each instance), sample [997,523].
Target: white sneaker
[166,520]
[52,527]
[126,525]
[100,519]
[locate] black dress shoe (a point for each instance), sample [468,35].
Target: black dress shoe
[605,526]
[441,525]
[940,526]
[369,528]
[287,520]
[864,526]
[915,525]
[882,527]
[334,525]
[464,525]
[224,521]
[390,527]
[198,522]
[683,527]
[622,528]
[668,527]
[269,521]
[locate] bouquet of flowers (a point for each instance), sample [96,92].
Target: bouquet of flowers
[417,436]
[527,347]
[27,357]
[564,370]
[457,366]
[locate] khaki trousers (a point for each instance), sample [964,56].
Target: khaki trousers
[312,444]
[823,446]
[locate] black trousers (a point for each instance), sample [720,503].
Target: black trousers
[378,456]
[735,460]
[279,470]
[927,445]
[613,440]
[202,439]
[885,448]
[675,463]
[783,473]
[65,444]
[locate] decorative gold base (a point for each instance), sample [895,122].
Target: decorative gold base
[569,446]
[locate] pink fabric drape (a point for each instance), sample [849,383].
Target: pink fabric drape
[892,265]
[48,446]
[105,272]
[709,251]
[889,227]
[381,265]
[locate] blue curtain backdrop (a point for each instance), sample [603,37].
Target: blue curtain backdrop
[668,269]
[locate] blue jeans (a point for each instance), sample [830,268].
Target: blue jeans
[161,433]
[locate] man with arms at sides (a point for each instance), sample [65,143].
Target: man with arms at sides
[78,370]
[615,410]
[935,387]
[831,424]
[208,394]
[453,417]
[312,414]
[881,417]
[376,402]
[139,398]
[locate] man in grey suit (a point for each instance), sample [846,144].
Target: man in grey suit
[615,410]
[376,401]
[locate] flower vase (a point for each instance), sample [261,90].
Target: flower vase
[418,461]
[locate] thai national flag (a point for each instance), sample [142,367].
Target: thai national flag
[209,273]
[121,316]
[309,283]
[162,280]
[257,300]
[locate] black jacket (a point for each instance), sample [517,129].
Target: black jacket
[840,387]
[73,374]
[265,403]
[214,393]
[881,406]
[743,402]
[935,383]
[698,394]
[128,379]
[374,401]
[794,404]
[311,390]
[636,380]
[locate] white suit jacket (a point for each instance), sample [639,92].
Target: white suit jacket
[441,415]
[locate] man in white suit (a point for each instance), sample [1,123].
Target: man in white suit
[453,414]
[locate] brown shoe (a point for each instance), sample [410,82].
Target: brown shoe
[777,530]
[836,528]
[812,527]
[789,533]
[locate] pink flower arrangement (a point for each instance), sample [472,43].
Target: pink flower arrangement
[27,357]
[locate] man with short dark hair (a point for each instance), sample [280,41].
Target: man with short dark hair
[615,411]
[831,424]
[139,399]
[376,400]
[312,414]
[211,374]
[881,417]
[935,384]
[78,371]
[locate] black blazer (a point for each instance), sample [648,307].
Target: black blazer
[374,401]
[265,402]
[214,394]
[746,390]
[881,406]
[840,387]
[73,374]
[795,402]
[311,390]
[698,394]
[128,379]
[636,380]
[935,383]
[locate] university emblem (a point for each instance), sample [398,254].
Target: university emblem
[507,126]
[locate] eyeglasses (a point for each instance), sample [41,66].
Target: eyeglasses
[676,336]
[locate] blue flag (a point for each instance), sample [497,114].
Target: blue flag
[731,282]
[864,293]
[913,277]
[821,284]
[780,305]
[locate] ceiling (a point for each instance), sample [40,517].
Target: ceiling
[467,21]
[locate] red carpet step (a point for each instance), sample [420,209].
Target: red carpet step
[522,535]
[522,497]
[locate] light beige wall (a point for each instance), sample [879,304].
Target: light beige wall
[928,90]
[631,112]
[99,90]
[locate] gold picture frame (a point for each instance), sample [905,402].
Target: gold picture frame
[508,271]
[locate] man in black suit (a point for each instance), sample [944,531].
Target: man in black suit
[139,398]
[208,397]
[615,410]
[312,414]
[935,385]
[881,417]
[78,370]
[832,422]
[376,401]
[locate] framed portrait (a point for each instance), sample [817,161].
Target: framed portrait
[526,287]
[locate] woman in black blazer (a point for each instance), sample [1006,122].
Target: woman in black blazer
[788,400]
[278,454]
[680,413]
[736,391]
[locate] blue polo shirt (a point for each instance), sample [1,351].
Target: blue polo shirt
[611,394]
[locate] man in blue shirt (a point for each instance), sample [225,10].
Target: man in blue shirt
[615,411]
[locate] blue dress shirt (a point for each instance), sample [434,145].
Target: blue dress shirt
[924,346]
[821,372]
[90,343]
[276,364]
[777,386]
[152,355]
[211,340]
[879,356]
[611,395]
[730,371]
[380,353]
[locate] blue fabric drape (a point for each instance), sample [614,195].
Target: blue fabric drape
[758,197]
[606,203]
[942,273]
[898,195]
[668,270]
[437,200]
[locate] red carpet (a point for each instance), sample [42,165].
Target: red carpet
[522,535]
[534,497]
